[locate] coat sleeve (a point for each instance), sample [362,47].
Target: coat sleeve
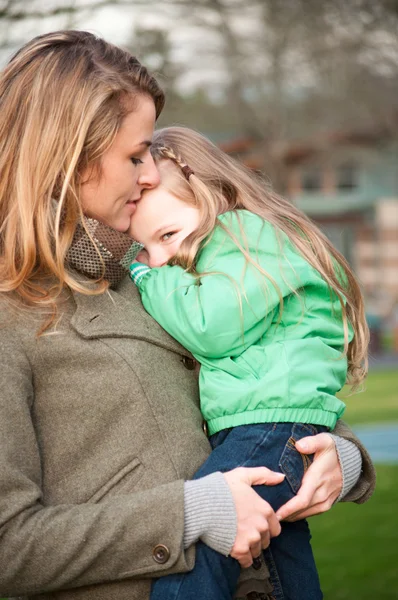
[45,548]
[365,486]
[226,309]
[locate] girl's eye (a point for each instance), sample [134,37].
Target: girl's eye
[136,161]
[168,235]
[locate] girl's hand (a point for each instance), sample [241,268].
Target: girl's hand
[142,257]
[322,482]
[256,520]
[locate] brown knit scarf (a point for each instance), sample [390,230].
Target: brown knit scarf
[107,253]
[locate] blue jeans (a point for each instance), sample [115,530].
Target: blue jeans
[289,557]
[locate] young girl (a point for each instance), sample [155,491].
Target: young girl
[274,316]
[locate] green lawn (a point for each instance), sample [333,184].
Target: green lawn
[377,403]
[356,545]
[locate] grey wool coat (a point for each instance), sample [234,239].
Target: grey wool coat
[99,428]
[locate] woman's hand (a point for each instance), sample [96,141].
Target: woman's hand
[322,482]
[256,520]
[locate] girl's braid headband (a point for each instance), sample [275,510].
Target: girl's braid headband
[170,154]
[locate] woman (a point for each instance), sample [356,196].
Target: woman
[99,419]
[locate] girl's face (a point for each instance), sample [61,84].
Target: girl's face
[161,222]
[127,168]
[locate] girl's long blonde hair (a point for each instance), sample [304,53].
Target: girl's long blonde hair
[219,184]
[63,97]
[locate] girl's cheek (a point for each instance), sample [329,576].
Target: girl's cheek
[174,249]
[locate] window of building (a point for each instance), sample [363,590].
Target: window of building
[347,176]
[311,179]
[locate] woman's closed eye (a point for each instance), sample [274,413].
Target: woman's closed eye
[136,161]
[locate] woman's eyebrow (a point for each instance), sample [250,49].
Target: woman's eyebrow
[137,147]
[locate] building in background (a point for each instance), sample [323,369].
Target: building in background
[347,182]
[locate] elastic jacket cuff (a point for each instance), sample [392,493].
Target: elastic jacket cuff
[209,513]
[138,272]
[350,462]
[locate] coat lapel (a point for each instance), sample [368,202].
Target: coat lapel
[120,314]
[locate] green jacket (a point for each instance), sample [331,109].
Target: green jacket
[257,365]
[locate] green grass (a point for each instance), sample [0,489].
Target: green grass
[387,341]
[355,546]
[378,403]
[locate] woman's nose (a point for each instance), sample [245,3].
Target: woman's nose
[149,177]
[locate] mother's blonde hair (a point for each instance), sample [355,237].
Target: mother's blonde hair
[63,97]
[219,184]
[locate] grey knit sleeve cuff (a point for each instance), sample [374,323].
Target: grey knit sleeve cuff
[350,462]
[209,513]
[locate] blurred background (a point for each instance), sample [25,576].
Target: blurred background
[306,92]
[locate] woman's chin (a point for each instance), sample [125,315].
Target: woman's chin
[122,225]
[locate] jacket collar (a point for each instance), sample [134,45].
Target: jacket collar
[119,313]
[99,251]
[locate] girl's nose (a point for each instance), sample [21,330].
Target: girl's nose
[157,261]
[157,256]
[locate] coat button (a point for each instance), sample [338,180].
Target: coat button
[161,554]
[189,363]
